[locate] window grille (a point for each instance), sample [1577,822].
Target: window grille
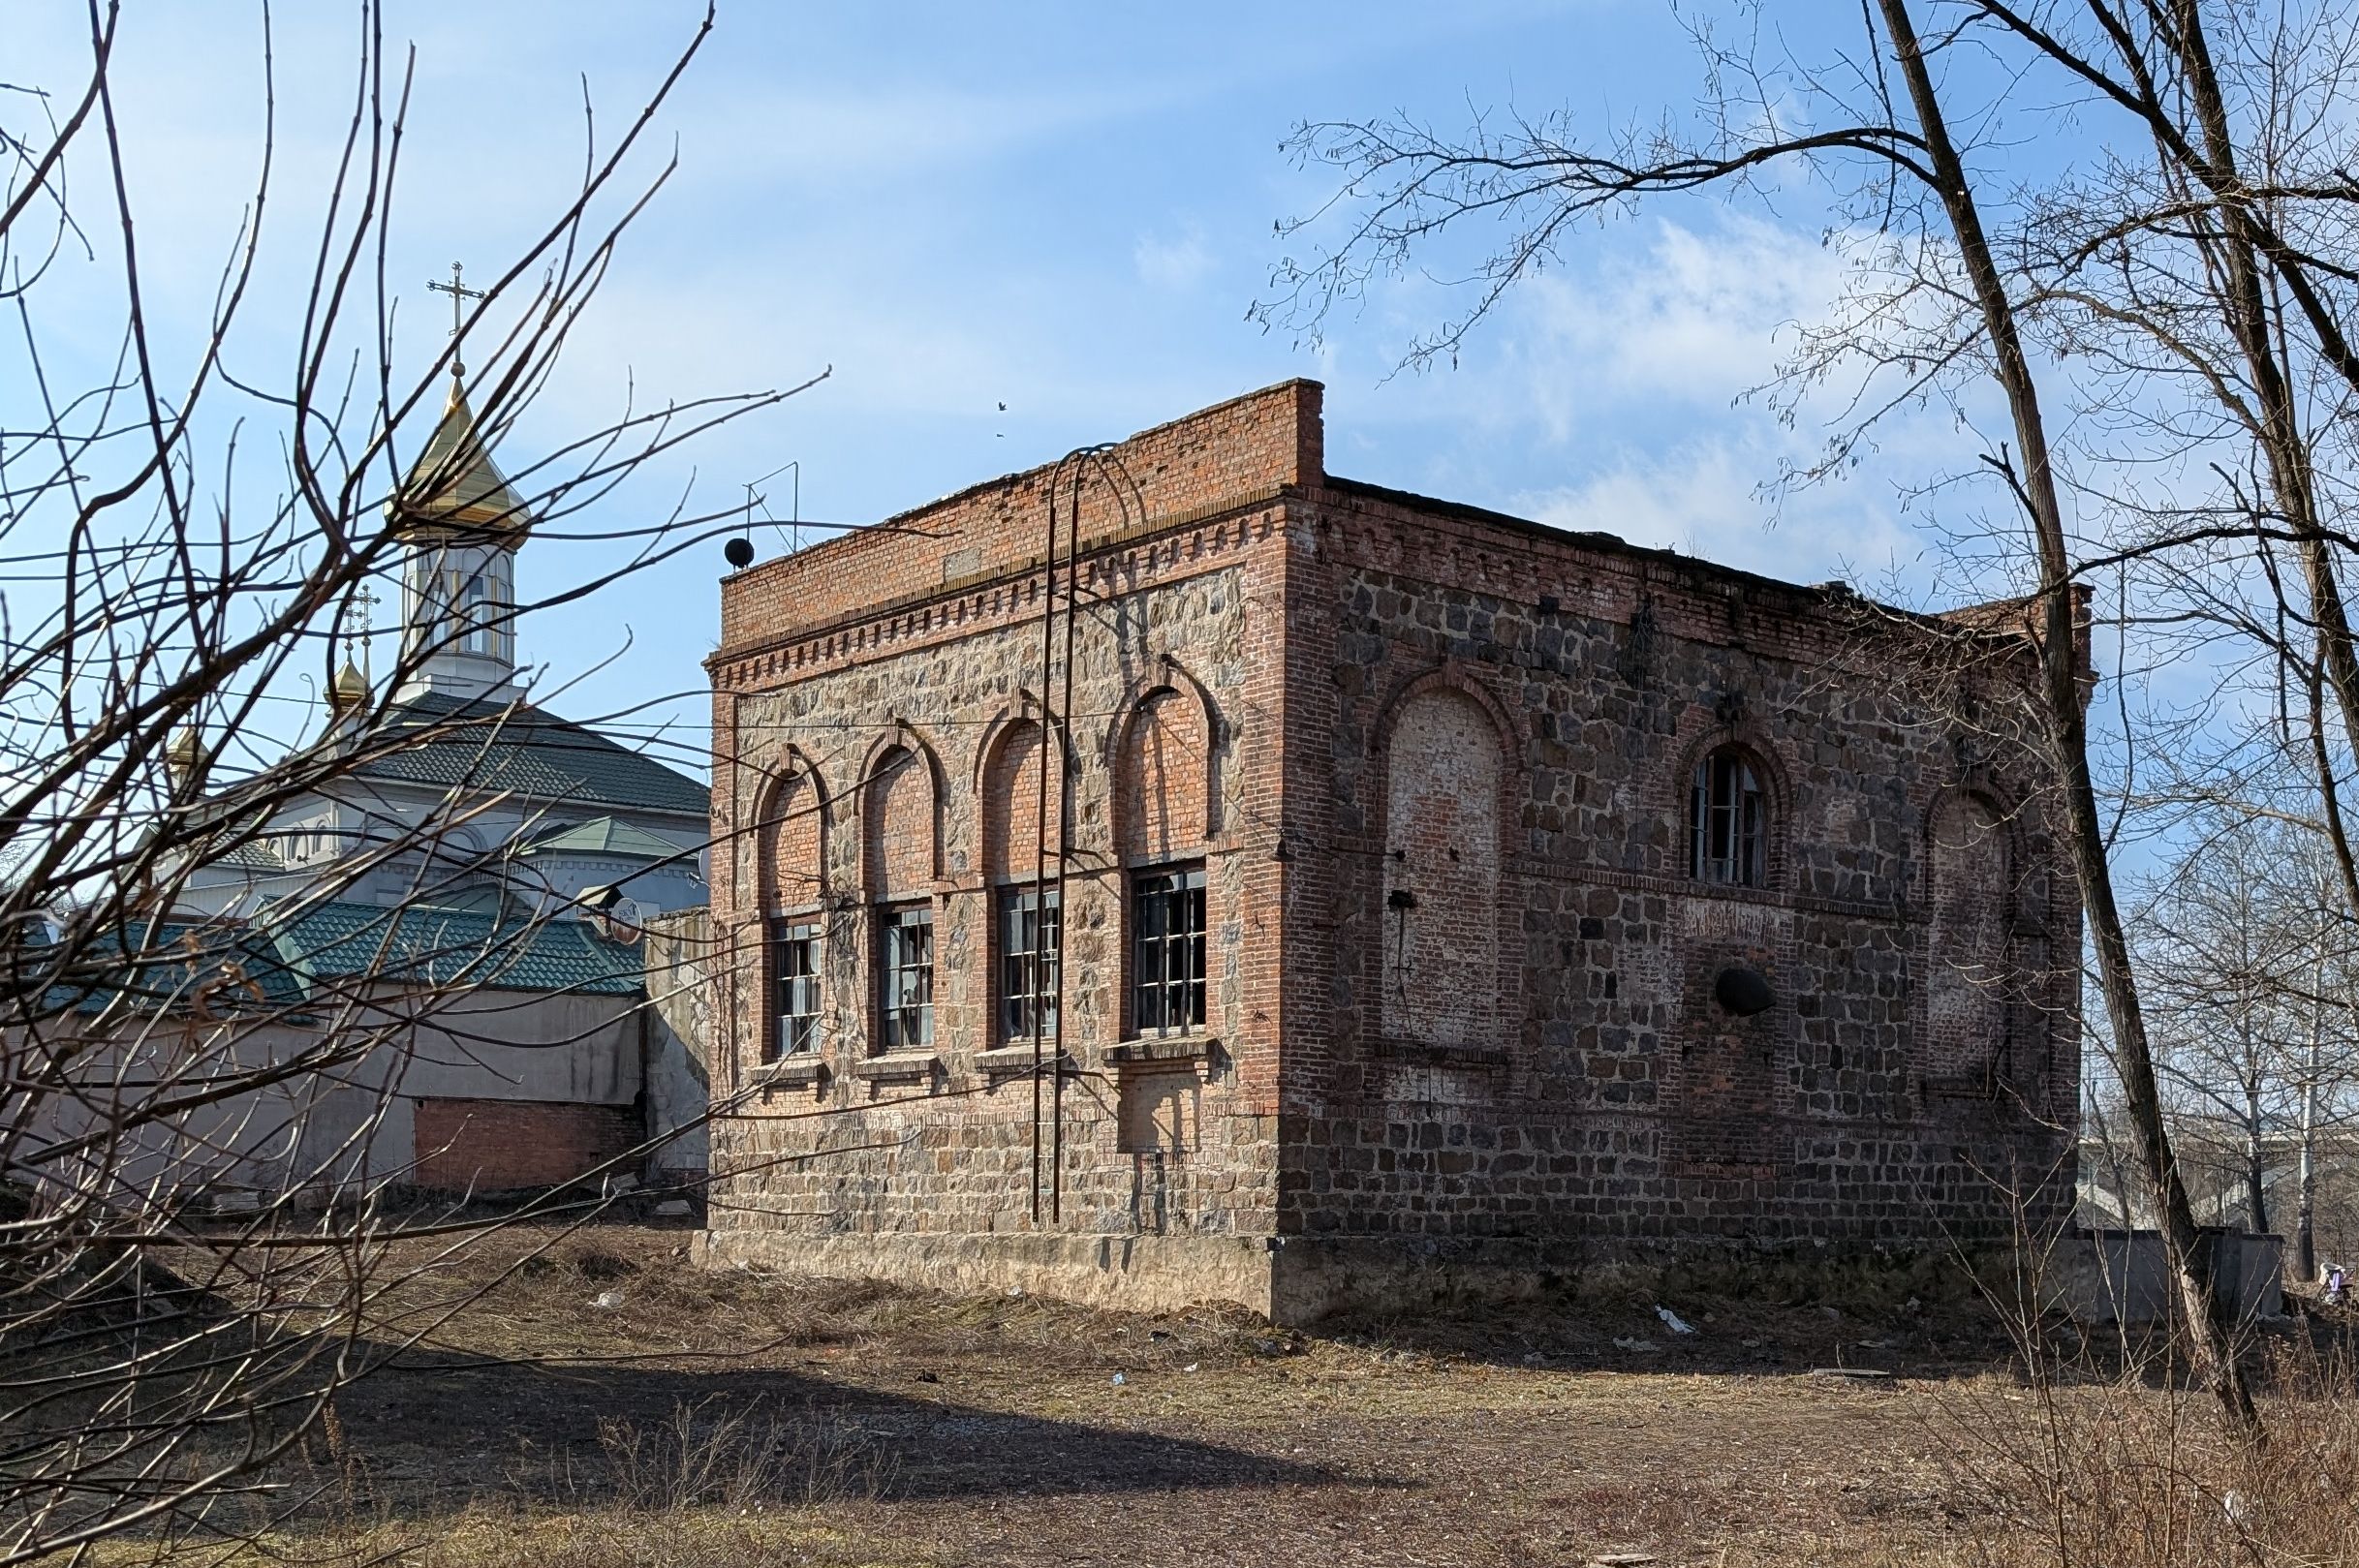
[1724,837]
[906,977]
[1167,959]
[1031,942]
[794,947]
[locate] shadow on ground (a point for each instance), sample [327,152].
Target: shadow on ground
[442,1428]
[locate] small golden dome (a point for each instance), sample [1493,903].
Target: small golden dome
[350,690]
[454,487]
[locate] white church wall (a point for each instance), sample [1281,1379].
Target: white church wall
[341,1134]
[526,1045]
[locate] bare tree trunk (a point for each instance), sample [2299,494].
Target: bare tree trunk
[2068,734]
[2256,1171]
[2305,1180]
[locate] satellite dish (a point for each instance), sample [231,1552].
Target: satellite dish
[740,552]
[624,921]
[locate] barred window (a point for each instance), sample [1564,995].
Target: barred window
[1168,957]
[1724,834]
[906,979]
[794,961]
[1030,927]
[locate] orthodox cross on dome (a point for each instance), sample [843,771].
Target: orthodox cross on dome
[365,607]
[459,295]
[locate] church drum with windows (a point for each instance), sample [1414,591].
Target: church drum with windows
[1392,900]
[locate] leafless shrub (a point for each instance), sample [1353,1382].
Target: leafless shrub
[707,1456]
[2123,1468]
[193,1237]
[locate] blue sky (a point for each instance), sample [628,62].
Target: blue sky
[1064,209]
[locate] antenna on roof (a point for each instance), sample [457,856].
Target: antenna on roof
[740,551]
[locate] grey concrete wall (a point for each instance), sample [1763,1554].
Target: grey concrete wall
[2122,1276]
[678,1027]
[349,1126]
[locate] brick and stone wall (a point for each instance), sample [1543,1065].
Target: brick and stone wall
[1436,765]
[1920,1054]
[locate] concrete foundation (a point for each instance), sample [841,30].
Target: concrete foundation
[1292,1281]
[1138,1273]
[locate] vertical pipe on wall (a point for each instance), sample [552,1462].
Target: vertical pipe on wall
[1039,825]
[1064,706]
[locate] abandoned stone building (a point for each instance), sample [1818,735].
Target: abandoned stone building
[1414,899]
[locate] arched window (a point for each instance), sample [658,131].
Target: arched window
[1442,872]
[793,879]
[1023,834]
[1967,986]
[900,813]
[1163,782]
[1727,821]
[477,630]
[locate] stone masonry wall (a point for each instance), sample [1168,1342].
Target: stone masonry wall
[923,715]
[1920,1055]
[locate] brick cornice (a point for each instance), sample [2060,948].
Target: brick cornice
[964,606]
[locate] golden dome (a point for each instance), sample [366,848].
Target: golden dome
[454,487]
[349,689]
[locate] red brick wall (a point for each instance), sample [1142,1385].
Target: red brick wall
[1968,982]
[1164,777]
[794,847]
[1214,460]
[1011,802]
[937,642]
[898,818]
[505,1145]
[1441,926]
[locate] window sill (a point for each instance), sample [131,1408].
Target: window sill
[897,1064]
[1162,1051]
[802,1067]
[1003,1060]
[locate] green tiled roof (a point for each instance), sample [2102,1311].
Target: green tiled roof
[184,965]
[251,855]
[279,961]
[491,747]
[427,945]
[602,836]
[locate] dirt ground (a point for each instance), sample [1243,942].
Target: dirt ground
[897,1427]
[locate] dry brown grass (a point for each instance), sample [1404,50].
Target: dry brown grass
[710,1418]
[2131,1470]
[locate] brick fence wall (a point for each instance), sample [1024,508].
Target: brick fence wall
[485,1146]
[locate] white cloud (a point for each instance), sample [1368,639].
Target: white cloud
[1173,265]
[1694,317]
[1698,497]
